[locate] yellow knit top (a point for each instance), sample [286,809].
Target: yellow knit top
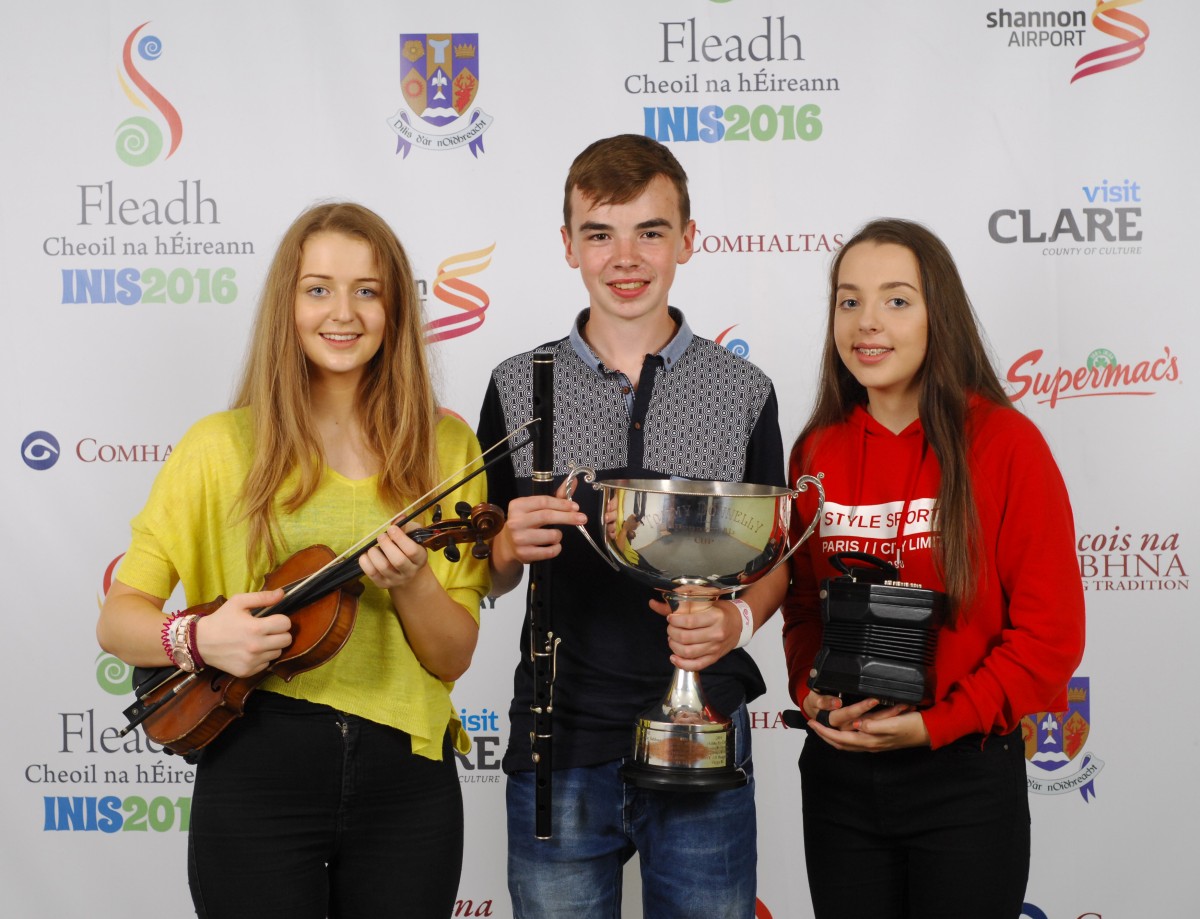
[188,531]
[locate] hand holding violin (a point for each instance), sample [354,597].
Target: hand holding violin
[234,640]
[394,560]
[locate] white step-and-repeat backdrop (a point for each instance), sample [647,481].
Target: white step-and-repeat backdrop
[154,152]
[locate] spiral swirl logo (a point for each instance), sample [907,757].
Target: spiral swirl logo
[471,301]
[737,346]
[113,675]
[40,450]
[1131,34]
[139,137]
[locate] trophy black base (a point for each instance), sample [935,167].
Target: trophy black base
[668,778]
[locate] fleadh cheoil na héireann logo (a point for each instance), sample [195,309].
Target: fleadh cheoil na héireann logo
[140,138]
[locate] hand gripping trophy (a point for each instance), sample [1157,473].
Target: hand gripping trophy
[693,541]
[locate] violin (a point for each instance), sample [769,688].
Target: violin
[184,712]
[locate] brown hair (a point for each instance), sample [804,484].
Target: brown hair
[616,170]
[956,366]
[396,405]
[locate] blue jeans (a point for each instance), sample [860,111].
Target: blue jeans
[698,850]
[924,834]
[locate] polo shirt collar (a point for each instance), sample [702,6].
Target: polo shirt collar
[670,353]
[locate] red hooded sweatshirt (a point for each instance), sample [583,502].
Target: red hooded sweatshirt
[1018,642]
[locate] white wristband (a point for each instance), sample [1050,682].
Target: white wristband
[744,611]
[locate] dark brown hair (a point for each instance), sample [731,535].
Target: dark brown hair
[956,366]
[616,170]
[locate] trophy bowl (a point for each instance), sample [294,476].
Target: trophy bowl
[694,541]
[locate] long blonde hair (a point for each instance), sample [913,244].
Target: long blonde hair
[396,405]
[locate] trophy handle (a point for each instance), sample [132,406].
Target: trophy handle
[802,484]
[588,474]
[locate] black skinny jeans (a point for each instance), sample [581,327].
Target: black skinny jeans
[919,833]
[303,812]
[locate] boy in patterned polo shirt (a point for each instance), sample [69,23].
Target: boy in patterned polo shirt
[637,395]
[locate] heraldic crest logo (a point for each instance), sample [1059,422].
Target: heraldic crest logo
[439,81]
[1055,740]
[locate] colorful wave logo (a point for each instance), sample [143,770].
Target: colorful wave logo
[471,301]
[737,346]
[139,138]
[1131,32]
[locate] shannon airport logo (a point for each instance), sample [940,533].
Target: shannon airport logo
[1101,375]
[1129,34]
[140,137]
[1122,34]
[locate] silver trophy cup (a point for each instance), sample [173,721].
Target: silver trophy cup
[693,541]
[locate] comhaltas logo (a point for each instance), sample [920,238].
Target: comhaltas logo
[439,80]
[766,243]
[40,450]
[1131,34]
[139,137]
[470,301]
[1103,375]
[1054,740]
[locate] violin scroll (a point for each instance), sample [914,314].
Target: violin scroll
[478,524]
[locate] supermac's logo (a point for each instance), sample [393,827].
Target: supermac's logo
[1054,743]
[1128,30]
[1102,375]
[439,80]
[469,300]
[140,137]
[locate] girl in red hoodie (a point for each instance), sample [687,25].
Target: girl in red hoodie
[922,811]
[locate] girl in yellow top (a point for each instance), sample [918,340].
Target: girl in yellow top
[336,794]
